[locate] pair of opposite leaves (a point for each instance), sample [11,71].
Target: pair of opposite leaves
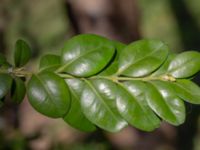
[16,85]
[110,85]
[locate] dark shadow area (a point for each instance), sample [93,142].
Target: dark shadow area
[188,27]
[190,36]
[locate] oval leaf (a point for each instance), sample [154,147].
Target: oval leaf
[50,62]
[162,100]
[133,107]
[18,90]
[49,94]
[142,57]
[75,116]
[185,65]
[5,84]
[85,55]
[99,105]
[172,100]
[188,91]
[22,53]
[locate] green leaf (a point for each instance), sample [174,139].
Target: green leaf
[98,103]
[187,90]
[22,53]
[113,67]
[85,55]
[163,100]
[18,90]
[5,84]
[49,94]
[5,66]
[50,62]
[75,116]
[2,59]
[133,107]
[164,67]
[110,84]
[185,64]
[3,63]
[142,58]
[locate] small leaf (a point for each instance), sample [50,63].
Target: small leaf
[163,100]
[142,58]
[99,105]
[18,90]
[50,62]
[85,55]
[133,107]
[187,90]
[5,84]
[75,116]
[22,53]
[49,94]
[185,65]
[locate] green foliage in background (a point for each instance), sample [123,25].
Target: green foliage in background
[161,26]
[99,82]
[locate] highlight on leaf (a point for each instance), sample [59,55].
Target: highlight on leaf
[97,82]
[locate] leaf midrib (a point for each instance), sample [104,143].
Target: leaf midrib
[168,106]
[102,101]
[77,58]
[49,67]
[137,102]
[128,66]
[48,92]
[186,90]
[20,55]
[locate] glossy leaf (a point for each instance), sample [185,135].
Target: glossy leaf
[50,62]
[22,53]
[75,116]
[172,101]
[187,90]
[49,94]
[85,55]
[185,64]
[18,90]
[5,84]
[132,105]
[98,103]
[159,102]
[164,67]
[110,84]
[142,58]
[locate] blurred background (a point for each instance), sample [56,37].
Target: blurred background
[47,24]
